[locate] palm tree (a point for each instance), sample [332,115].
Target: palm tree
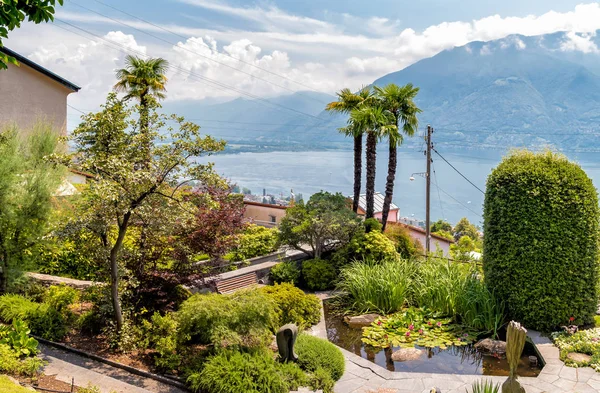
[144,80]
[346,103]
[399,103]
[375,120]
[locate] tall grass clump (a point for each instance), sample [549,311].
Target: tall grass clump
[439,284]
[383,287]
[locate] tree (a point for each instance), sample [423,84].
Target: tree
[109,144]
[346,103]
[323,224]
[461,250]
[13,12]
[441,225]
[398,101]
[28,179]
[465,228]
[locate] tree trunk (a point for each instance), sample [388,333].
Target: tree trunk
[144,126]
[114,270]
[358,140]
[371,163]
[389,184]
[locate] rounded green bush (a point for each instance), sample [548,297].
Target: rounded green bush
[318,274]
[294,306]
[540,250]
[316,353]
[285,272]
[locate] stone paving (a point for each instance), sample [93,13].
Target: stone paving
[65,365]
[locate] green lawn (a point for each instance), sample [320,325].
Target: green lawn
[6,386]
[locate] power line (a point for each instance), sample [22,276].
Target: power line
[196,53]
[78,110]
[457,201]
[223,53]
[438,190]
[459,172]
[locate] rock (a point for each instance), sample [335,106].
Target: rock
[491,347]
[361,320]
[579,357]
[406,354]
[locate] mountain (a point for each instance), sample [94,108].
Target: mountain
[515,91]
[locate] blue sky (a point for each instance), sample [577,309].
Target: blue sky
[223,49]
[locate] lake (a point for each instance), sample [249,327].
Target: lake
[309,172]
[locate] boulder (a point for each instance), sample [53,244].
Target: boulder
[579,357]
[406,354]
[361,320]
[491,347]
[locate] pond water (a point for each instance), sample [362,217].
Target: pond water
[454,360]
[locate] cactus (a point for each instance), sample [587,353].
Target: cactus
[515,342]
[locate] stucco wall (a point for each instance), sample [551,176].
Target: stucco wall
[435,243]
[262,214]
[27,95]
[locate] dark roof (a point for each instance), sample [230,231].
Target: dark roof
[39,68]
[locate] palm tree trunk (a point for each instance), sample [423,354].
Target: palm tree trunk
[371,163]
[389,184]
[358,140]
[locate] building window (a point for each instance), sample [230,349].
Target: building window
[273,218]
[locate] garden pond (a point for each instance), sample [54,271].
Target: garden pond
[452,360]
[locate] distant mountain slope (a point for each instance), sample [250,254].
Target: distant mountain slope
[514,91]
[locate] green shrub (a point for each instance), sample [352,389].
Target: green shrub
[90,322]
[485,386]
[316,353]
[16,336]
[383,287]
[405,245]
[372,244]
[540,253]
[255,241]
[160,333]
[318,274]
[10,362]
[320,379]
[285,272]
[294,306]
[60,297]
[43,320]
[245,318]
[235,372]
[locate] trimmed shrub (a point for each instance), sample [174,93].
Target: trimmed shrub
[255,241]
[540,251]
[294,306]
[318,274]
[285,272]
[245,318]
[316,353]
[321,380]
[235,372]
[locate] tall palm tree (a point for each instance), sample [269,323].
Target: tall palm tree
[375,120]
[346,103]
[143,80]
[399,103]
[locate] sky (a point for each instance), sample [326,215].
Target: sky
[223,49]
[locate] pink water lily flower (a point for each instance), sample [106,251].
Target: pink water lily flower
[411,327]
[420,331]
[407,334]
[379,323]
[439,324]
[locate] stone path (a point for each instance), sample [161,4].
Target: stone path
[65,365]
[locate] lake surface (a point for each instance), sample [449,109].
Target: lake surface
[309,172]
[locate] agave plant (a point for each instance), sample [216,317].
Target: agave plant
[485,386]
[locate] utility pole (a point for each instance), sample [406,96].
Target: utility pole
[428,192]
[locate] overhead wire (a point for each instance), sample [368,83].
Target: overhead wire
[438,190]
[457,171]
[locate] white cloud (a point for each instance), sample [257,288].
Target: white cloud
[579,42]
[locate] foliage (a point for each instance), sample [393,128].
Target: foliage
[245,319]
[234,372]
[324,223]
[8,386]
[255,241]
[28,180]
[318,274]
[15,11]
[137,176]
[384,287]
[372,245]
[160,333]
[60,297]
[416,326]
[43,320]
[16,336]
[441,225]
[11,362]
[461,250]
[156,291]
[321,379]
[485,386]
[405,245]
[583,341]
[464,228]
[540,253]
[316,353]
[285,272]
[293,305]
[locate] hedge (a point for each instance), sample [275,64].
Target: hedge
[540,251]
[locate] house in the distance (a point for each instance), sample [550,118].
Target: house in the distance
[437,242]
[264,214]
[30,92]
[378,207]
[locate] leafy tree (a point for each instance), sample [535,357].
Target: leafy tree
[28,179]
[461,250]
[110,144]
[346,103]
[323,224]
[399,102]
[441,225]
[465,228]
[13,12]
